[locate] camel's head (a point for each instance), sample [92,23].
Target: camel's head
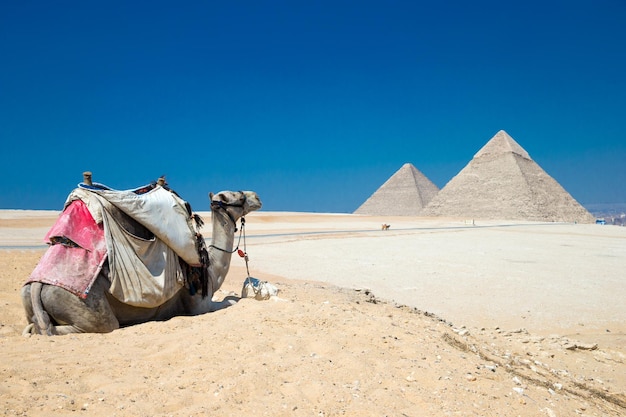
[236,203]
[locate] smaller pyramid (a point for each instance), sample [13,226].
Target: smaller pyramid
[405,193]
[503,182]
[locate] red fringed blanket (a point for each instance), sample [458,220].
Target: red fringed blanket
[76,253]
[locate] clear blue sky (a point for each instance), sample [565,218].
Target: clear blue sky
[313,104]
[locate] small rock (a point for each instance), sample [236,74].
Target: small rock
[462,331]
[587,346]
[549,412]
[581,346]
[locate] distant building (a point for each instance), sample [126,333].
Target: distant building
[405,193]
[503,182]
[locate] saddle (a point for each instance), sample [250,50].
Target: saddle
[147,235]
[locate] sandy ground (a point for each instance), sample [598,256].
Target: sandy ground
[433,317]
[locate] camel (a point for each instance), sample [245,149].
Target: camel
[52,310]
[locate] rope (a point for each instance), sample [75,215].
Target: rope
[256,289]
[242,253]
[241,231]
[245,251]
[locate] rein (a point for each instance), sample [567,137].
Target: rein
[242,253]
[222,205]
[241,233]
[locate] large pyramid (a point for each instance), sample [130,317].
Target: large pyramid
[503,182]
[405,193]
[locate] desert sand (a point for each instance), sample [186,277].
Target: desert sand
[433,317]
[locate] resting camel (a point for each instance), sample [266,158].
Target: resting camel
[53,310]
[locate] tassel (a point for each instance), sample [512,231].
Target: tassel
[204,268]
[198,220]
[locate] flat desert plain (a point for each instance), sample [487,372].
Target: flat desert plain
[433,317]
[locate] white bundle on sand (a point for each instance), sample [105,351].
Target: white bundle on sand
[257,289]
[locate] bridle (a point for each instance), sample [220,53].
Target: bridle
[221,205]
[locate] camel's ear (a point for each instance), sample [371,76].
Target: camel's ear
[211,196]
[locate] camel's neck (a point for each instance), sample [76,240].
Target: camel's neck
[222,239]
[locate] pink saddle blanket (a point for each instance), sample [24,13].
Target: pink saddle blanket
[76,254]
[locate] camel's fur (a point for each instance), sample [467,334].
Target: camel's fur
[60,312]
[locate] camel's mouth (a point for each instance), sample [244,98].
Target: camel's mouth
[253,202]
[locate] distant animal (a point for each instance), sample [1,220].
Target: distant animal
[52,310]
[386,226]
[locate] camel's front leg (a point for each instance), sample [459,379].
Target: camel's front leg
[228,301]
